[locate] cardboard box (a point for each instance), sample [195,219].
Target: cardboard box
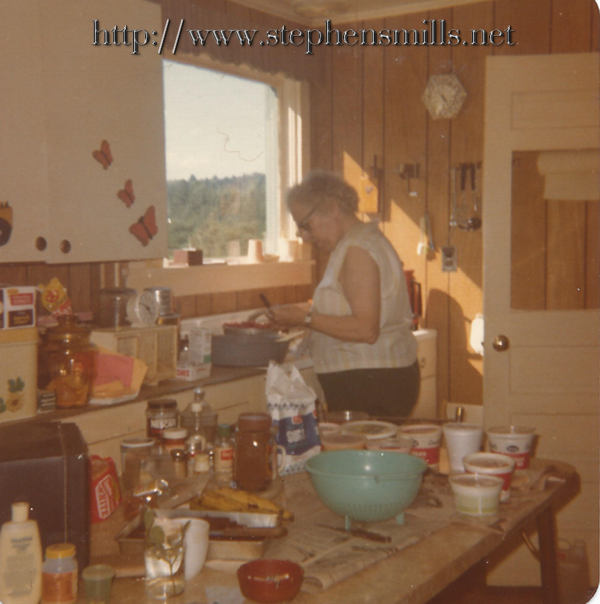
[200,346]
[188,257]
[46,464]
[191,372]
[17,307]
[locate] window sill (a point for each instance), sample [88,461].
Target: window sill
[217,278]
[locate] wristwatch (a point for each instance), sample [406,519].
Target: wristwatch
[308,318]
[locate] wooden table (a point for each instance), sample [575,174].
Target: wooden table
[415,574]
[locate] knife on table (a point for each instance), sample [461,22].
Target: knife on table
[356,532]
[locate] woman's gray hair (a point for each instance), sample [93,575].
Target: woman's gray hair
[324,188]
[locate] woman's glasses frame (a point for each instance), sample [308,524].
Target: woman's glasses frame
[303,224]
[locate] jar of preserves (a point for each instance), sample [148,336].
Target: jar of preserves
[161,414]
[69,362]
[255,458]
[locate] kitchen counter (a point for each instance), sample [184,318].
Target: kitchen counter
[419,570]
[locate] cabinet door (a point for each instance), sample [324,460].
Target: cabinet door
[22,133]
[96,93]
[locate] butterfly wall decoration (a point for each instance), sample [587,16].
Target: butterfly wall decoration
[145,228]
[126,193]
[103,155]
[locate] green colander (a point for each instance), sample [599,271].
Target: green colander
[366,486]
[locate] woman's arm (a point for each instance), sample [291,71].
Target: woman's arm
[360,281]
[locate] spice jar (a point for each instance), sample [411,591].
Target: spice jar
[255,450]
[59,575]
[160,414]
[69,360]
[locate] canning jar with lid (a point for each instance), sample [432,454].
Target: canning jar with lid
[69,361]
[255,458]
[161,414]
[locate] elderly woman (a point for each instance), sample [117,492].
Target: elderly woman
[361,343]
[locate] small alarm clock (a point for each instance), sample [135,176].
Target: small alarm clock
[142,309]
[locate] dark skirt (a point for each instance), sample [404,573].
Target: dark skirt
[378,392]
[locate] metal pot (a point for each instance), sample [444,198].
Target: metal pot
[247,350]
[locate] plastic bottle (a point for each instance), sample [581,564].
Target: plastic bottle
[573,573]
[59,575]
[223,455]
[20,558]
[199,418]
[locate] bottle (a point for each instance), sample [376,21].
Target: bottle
[199,418]
[20,558]
[59,575]
[573,573]
[223,455]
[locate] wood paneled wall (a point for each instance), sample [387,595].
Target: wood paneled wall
[366,102]
[369,103]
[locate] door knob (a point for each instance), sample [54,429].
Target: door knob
[501,343]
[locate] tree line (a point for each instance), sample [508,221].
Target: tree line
[208,213]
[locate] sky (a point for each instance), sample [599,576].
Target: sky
[214,123]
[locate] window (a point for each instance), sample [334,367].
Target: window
[232,148]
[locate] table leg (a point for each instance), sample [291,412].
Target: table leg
[548,566]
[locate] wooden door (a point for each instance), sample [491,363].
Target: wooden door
[541,348]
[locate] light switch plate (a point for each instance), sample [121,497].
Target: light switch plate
[449,262]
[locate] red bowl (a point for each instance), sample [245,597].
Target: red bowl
[270,581]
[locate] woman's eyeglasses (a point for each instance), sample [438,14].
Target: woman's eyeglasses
[303,224]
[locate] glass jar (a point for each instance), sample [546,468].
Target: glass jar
[254,448]
[161,414]
[70,361]
[173,438]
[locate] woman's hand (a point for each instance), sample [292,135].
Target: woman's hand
[287,316]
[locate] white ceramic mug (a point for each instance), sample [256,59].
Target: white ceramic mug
[461,440]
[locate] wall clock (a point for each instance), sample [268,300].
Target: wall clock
[444,96]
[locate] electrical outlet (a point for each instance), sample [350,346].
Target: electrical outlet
[449,262]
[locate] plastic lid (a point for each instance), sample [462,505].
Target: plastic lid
[60,550]
[223,431]
[136,443]
[254,422]
[162,403]
[199,395]
[20,511]
[174,433]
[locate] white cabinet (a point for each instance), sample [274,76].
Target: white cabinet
[66,96]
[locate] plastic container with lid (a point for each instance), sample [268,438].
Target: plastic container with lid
[174,438]
[161,414]
[69,361]
[200,418]
[59,574]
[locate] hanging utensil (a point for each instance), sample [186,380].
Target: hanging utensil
[474,221]
[463,210]
[453,221]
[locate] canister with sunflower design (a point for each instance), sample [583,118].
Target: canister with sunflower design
[18,373]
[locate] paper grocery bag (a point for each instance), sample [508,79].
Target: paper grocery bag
[291,404]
